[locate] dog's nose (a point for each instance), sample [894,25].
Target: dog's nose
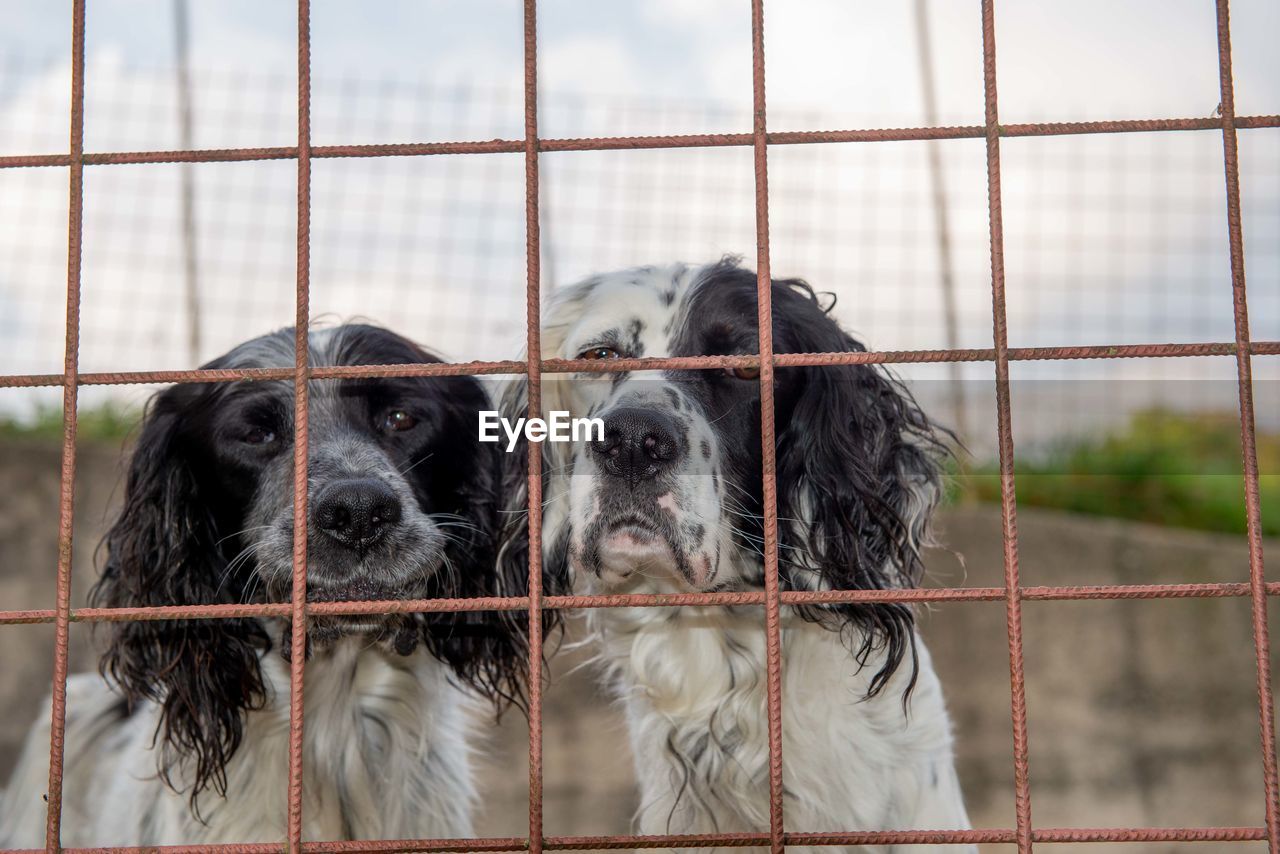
[356,512]
[638,444]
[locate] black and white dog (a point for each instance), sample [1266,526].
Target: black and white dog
[670,501]
[186,738]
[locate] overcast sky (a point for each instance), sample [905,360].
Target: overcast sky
[1057,60]
[830,63]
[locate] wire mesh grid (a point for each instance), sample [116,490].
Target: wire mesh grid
[1012,593]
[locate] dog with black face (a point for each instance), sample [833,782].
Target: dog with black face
[670,500]
[186,739]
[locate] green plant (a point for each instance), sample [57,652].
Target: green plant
[1167,468]
[109,422]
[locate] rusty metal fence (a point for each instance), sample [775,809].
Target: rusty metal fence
[1013,593]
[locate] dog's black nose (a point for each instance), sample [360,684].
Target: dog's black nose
[356,512]
[638,444]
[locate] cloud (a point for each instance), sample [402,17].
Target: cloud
[589,65]
[712,14]
[1106,237]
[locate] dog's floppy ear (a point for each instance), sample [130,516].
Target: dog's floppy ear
[163,549]
[513,544]
[487,649]
[859,474]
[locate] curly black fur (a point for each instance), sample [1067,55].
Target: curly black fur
[182,527]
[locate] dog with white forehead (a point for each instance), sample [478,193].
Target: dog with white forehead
[669,500]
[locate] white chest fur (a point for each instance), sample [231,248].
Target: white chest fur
[693,684]
[385,755]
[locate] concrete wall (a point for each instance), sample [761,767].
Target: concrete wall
[1141,712]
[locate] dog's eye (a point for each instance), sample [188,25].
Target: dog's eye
[259,436]
[397,420]
[752,373]
[593,353]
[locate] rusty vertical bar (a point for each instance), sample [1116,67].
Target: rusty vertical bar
[301,376]
[1000,330]
[1248,444]
[533,344]
[941,216]
[70,386]
[769,474]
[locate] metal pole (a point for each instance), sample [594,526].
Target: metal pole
[190,256]
[937,180]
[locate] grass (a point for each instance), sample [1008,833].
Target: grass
[1162,467]
[106,423]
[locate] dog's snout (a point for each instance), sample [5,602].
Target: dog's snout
[356,512]
[638,444]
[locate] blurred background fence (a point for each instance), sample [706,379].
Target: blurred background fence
[1109,239]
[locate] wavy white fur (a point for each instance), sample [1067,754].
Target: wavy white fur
[693,687]
[385,756]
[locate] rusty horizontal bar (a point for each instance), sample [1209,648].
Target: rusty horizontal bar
[724,840]
[331,372]
[26,617]
[628,143]
[632,143]
[378,846]
[283,609]
[1142,591]
[682,363]
[643,600]
[1007,130]
[1148,834]
[433,369]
